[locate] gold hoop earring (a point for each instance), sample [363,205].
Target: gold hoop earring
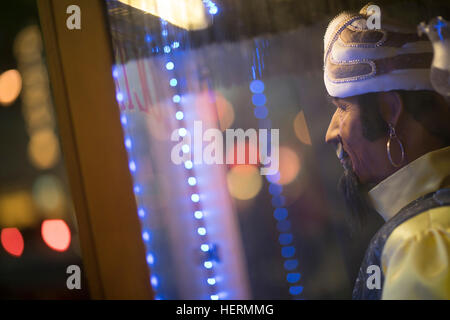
[393,136]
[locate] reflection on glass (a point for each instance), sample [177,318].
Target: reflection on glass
[186,14]
[438,31]
[223,230]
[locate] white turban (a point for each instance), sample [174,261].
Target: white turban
[359,60]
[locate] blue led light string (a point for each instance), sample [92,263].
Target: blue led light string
[211,7]
[285,238]
[206,250]
[137,189]
[133,167]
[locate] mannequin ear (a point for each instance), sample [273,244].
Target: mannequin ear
[391,106]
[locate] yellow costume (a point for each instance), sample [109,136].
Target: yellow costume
[416,256]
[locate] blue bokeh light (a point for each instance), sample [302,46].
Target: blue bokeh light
[257,86]
[154,280]
[273,178]
[285,238]
[295,290]
[260,112]
[123,120]
[288,252]
[188,164]
[291,264]
[176,98]
[293,277]
[185,148]
[192,181]
[179,115]
[275,189]
[115,73]
[213,10]
[132,166]
[280,213]
[182,132]
[198,215]
[146,236]
[170,65]
[173,82]
[259,99]
[141,213]
[195,197]
[128,143]
[150,259]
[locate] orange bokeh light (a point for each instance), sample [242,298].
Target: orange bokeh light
[10,86]
[244,182]
[43,149]
[56,234]
[225,111]
[301,128]
[12,241]
[289,165]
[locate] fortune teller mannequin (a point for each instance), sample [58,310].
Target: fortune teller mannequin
[392,135]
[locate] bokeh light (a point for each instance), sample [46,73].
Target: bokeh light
[56,234]
[10,86]
[301,128]
[48,195]
[289,165]
[244,182]
[225,111]
[257,86]
[17,209]
[43,149]
[12,241]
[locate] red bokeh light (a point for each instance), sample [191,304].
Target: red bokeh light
[12,241]
[56,234]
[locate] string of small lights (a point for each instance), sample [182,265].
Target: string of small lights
[206,250]
[285,238]
[191,178]
[133,167]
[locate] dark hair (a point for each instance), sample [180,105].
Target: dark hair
[427,107]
